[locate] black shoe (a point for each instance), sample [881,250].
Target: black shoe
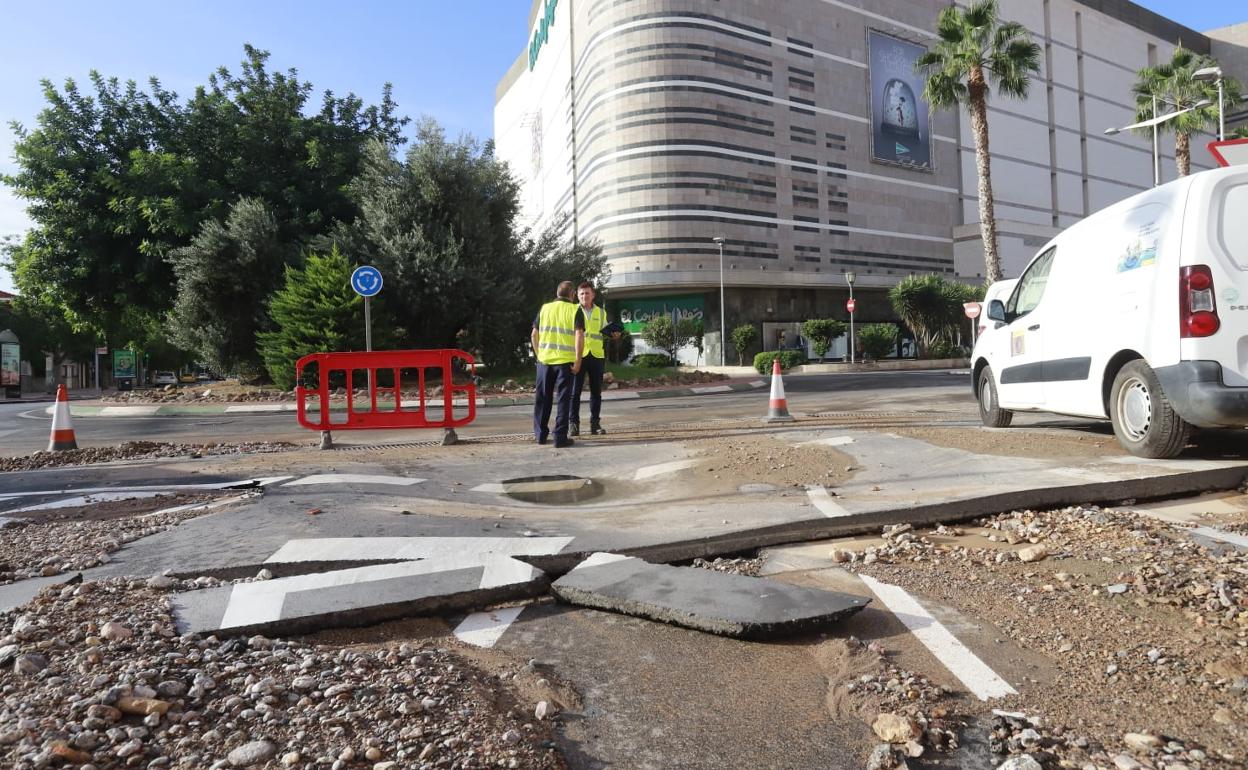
[574,429]
[597,429]
[541,440]
[565,443]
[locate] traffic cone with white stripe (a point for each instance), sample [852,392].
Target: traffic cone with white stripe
[778,410]
[62,427]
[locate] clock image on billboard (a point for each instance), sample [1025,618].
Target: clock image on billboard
[900,117]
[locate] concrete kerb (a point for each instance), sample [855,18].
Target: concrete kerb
[193,410]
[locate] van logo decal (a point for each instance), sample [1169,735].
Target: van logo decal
[1143,250]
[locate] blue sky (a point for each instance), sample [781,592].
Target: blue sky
[444,57]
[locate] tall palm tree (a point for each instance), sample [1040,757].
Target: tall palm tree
[975,51]
[1176,89]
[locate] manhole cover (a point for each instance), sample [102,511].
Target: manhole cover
[551,490]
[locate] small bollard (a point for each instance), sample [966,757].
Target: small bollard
[449,437]
[327,440]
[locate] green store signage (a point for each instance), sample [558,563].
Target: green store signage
[542,31]
[636,313]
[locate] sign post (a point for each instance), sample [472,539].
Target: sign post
[366,281]
[123,369]
[972,310]
[102,350]
[850,305]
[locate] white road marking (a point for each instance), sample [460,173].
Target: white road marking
[714,389]
[484,629]
[833,441]
[352,478]
[650,471]
[129,411]
[198,506]
[259,408]
[73,502]
[758,383]
[261,602]
[1083,474]
[165,488]
[552,485]
[600,558]
[267,480]
[981,680]
[821,499]
[378,548]
[1240,541]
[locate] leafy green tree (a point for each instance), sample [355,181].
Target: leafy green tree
[1239,133]
[821,331]
[877,340]
[117,179]
[225,277]
[1175,88]
[441,225]
[973,51]
[316,310]
[43,328]
[742,338]
[661,333]
[931,307]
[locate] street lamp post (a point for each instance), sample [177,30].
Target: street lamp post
[1215,73]
[1154,123]
[849,279]
[723,330]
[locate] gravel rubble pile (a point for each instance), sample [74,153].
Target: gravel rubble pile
[33,548]
[100,679]
[914,717]
[747,567]
[136,450]
[1146,629]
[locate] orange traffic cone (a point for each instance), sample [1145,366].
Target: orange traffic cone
[62,428]
[778,411]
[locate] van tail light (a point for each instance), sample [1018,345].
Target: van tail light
[1198,312]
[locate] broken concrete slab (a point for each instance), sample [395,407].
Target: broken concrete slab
[715,602]
[356,597]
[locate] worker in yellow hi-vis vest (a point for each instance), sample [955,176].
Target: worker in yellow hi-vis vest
[594,363]
[558,338]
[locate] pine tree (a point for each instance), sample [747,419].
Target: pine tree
[316,311]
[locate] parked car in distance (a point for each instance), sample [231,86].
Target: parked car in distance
[165,378]
[1138,314]
[187,378]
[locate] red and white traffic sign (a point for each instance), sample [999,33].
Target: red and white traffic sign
[972,309]
[849,305]
[1232,152]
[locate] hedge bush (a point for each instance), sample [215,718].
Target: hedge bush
[651,360]
[788,360]
[877,340]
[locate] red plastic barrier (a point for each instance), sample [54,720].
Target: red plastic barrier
[388,416]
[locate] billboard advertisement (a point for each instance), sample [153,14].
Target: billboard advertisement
[123,364]
[636,313]
[10,365]
[900,132]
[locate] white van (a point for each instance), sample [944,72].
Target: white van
[1138,314]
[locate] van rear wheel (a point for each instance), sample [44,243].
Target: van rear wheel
[990,411]
[1144,421]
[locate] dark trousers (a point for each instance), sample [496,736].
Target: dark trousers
[555,383]
[592,368]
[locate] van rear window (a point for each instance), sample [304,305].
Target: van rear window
[1234,227]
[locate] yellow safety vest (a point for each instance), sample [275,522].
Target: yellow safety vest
[595,319]
[556,332]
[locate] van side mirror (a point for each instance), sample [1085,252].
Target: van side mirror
[996,311]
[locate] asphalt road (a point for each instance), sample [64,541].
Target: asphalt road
[24,428]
